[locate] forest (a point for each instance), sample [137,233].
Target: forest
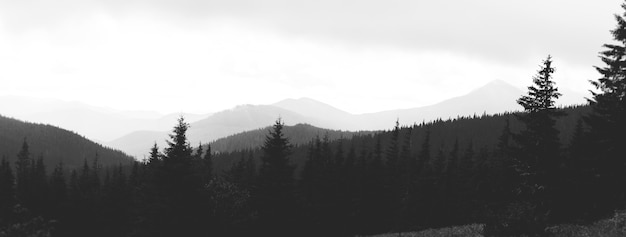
[517,173]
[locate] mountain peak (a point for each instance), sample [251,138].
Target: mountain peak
[300,100]
[309,107]
[497,83]
[497,87]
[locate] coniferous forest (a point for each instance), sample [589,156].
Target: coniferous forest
[517,173]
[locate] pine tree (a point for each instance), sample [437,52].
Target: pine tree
[276,168]
[39,186]
[540,141]
[199,151]
[84,181]
[452,163]
[424,162]
[155,156]
[22,171]
[538,157]
[393,149]
[607,127]
[177,189]
[95,172]
[7,189]
[178,151]
[541,96]
[58,186]
[504,141]
[275,188]
[207,164]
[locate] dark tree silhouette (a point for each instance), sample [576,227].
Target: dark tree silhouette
[275,196]
[155,156]
[607,125]
[539,149]
[22,171]
[7,190]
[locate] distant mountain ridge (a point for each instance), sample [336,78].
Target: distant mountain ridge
[54,144]
[494,97]
[97,123]
[134,132]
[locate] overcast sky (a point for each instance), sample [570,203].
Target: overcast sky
[358,55]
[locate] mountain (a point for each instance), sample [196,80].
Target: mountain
[239,119]
[86,119]
[313,108]
[492,98]
[54,144]
[298,134]
[495,97]
[138,143]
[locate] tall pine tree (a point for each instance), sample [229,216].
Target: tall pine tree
[275,197]
[608,128]
[538,156]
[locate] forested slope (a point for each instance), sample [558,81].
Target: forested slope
[298,134]
[482,132]
[54,144]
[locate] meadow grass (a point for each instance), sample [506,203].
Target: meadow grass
[610,227]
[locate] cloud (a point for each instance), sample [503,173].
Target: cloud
[504,31]
[361,56]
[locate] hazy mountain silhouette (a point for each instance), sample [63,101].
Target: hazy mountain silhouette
[494,97]
[135,131]
[54,144]
[313,108]
[239,119]
[97,123]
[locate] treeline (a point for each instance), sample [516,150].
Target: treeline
[298,134]
[428,175]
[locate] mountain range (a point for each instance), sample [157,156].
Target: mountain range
[494,97]
[134,132]
[99,124]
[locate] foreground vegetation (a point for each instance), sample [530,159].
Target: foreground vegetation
[614,226]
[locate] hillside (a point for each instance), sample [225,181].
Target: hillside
[440,173]
[299,134]
[494,97]
[88,120]
[481,132]
[54,144]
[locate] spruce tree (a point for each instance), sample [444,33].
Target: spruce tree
[393,149]
[58,186]
[22,172]
[199,151]
[178,151]
[538,156]
[7,189]
[607,126]
[275,188]
[155,156]
[178,205]
[207,165]
[424,162]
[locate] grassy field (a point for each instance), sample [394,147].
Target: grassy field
[611,227]
[615,226]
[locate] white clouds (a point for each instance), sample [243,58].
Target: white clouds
[361,56]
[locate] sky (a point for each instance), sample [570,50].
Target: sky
[360,56]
